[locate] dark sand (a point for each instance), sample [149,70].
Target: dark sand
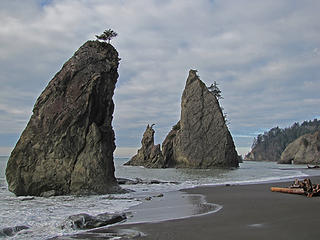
[249,212]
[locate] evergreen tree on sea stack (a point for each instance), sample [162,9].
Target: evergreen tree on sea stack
[107,35]
[215,90]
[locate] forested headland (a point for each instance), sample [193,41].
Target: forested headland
[269,145]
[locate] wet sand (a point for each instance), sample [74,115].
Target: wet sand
[249,212]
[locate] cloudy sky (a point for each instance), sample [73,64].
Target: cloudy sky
[265,55]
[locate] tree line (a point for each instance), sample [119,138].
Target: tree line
[269,145]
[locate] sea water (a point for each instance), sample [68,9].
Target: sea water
[44,216]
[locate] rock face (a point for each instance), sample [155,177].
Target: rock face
[67,146]
[270,145]
[168,147]
[11,231]
[201,138]
[149,155]
[304,150]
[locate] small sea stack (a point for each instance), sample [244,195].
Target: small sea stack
[149,155]
[67,146]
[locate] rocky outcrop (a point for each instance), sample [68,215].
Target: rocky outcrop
[86,221]
[201,139]
[270,145]
[304,150]
[126,181]
[168,146]
[67,146]
[11,231]
[149,155]
[256,155]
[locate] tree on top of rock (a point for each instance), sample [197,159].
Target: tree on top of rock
[107,35]
[215,90]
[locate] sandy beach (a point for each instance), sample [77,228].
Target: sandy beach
[249,212]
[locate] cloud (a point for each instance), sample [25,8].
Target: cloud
[5,151]
[125,152]
[264,55]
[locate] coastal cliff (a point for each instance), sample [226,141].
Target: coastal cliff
[270,145]
[201,138]
[67,146]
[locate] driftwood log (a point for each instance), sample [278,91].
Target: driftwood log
[288,190]
[300,187]
[312,167]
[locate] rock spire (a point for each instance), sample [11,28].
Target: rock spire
[201,138]
[149,155]
[67,146]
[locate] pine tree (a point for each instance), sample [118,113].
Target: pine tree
[215,90]
[107,35]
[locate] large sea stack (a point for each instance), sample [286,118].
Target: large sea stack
[68,144]
[201,138]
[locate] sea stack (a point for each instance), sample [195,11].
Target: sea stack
[149,155]
[67,146]
[201,138]
[304,150]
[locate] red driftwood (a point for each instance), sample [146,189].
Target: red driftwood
[300,187]
[288,190]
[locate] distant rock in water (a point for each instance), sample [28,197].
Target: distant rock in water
[200,139]
[304,150]
[68,144]
[149,155]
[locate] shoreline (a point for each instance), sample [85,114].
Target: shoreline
[249,211]
[172,206]
[143,210]
[147,224]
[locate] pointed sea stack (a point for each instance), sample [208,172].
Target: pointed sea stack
[68,144]
[149,155]
[201,138]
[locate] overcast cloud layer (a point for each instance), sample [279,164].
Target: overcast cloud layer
[264,54]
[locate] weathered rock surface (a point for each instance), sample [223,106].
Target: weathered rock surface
[270,145]
[201,138]
[168,146]
[304,150]
[67,146]
[11,231]
[86,221]
[149,155]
